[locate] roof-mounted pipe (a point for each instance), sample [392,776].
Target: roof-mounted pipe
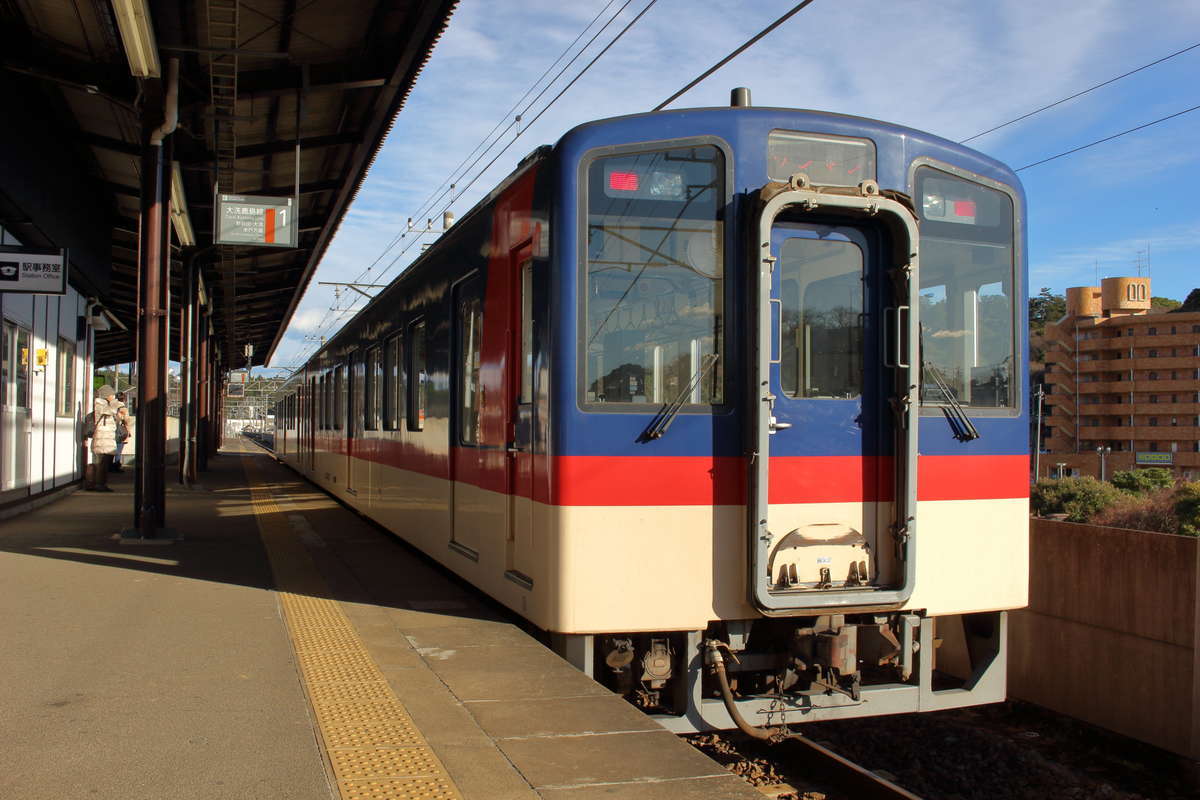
[170,106]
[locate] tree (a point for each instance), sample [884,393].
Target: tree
[1187,508]
[1164,304]
[1192,303]
[1140,481]
[1045,307]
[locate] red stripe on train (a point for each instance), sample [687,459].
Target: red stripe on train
[634,481]
[699,480]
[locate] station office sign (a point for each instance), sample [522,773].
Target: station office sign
[255,220]
[1155,459]
[32,271]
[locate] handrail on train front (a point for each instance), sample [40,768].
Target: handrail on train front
[863,202]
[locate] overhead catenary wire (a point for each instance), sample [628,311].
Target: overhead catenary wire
[547,107]
[441,190]
[538,116]
[1079,94]
[741,49]
[1109,138]
[439,193]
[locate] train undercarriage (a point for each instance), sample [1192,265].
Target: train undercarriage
[769,673]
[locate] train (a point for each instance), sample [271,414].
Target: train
[729,402]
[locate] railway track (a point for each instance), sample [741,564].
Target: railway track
[848,779]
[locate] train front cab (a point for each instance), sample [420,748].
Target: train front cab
[856,362]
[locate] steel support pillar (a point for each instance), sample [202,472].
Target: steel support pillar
[153,328]
[204,368]
[186,367]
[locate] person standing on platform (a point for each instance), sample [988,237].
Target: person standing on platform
[116,465]
[109,415]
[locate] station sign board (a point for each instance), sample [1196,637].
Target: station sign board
[1155,459]
[235,390]
[256,220]
[33,271]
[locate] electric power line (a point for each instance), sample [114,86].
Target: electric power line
[544,109]
[1080,94]
[1109,138]
[561,92]
[434,196]
[745,46]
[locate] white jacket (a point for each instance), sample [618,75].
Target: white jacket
[104,440]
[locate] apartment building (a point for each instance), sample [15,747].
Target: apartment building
[1122,384]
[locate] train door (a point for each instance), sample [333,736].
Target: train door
[354,421]
[832,382]
[311,462]
[16,412]
[519,544]
[471,457]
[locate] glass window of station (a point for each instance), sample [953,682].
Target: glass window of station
[654,279]
[967,287]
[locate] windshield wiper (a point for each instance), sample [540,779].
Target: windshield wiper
[658,426]
[960,423]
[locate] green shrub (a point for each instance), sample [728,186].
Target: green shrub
[1187,508]
[1078,498]
[1140,481]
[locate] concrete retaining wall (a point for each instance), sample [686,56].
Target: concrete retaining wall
[1109,635]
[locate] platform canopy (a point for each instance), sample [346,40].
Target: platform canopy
[256,79]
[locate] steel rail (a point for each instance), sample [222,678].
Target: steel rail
[827,766]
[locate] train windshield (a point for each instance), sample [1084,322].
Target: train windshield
[967,285]
[653,329]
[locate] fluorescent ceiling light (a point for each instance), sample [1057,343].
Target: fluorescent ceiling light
[179,209]
[133,20]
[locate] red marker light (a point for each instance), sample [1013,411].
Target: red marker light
[623,181]
[964,208]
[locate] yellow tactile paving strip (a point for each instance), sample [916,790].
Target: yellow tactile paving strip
[374,748]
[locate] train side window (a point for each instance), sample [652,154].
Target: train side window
[393,394]
[339,396]
[526,333]
[468,389]
[373,397]
[320,401]
[418,378]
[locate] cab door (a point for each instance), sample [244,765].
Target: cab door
[830,454]
[833,426]
[519,545]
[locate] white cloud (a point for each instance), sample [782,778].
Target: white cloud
[1114,257]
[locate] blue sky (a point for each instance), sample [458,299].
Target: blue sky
[953,67]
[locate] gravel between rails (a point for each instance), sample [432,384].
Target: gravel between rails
[1006,751]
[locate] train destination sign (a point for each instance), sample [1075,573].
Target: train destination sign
[249,219]
[33,271]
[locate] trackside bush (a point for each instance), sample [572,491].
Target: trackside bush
[1079,498]
[1187,508]
[1151,511]
[1140,481]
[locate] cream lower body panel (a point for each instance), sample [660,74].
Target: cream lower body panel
[972,555]
[601,569]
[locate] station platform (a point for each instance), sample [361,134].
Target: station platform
[284,647]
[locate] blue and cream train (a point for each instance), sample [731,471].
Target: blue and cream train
[729,401]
